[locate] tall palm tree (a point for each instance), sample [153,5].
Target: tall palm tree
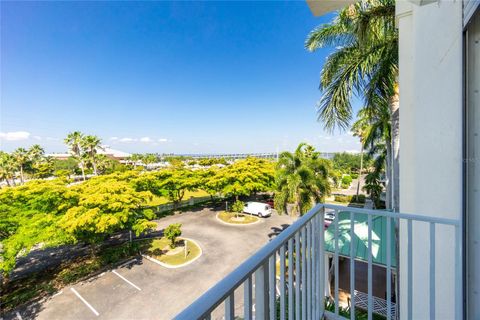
[365,63]
[74,141]
[376,128]
[359,132]
[301,179]
[91,145]
[20,155]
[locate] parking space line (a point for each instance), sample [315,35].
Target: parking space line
[85,302]
[19,317]
[123,278]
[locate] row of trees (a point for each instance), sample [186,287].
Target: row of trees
[84,149]
[32,162]
[241,178]
[23,161]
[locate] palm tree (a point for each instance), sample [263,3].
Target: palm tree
[7,167]
[359,132]
[73,141]
[301,179]
[36,152]
[91,145]
[376,135]
[20,155]
[365,63]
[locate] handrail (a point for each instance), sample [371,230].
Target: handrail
[201,307]
[407,216]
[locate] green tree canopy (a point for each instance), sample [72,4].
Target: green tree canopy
[244,177]
[172,183]
[105,208]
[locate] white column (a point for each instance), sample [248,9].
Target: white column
[430,83]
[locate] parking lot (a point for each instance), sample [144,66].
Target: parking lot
[141,289]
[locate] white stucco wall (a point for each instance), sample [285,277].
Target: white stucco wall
[430,84]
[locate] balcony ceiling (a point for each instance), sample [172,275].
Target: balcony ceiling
[321,7]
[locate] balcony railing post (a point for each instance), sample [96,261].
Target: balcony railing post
[247,297]
[261,292]
[230,307]
[352,265]
[309,270]
[304,274]
[298,256]
[282,283]
[321,262]
[335,262]
[389,269]
[272,262]
[290,279]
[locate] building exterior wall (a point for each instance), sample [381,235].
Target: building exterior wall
[472,123]
[431,109]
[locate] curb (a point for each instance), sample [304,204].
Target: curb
[237,224]
[168,266]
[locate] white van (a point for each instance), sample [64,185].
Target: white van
[258,208]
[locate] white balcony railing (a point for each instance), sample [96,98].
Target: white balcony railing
[300,289]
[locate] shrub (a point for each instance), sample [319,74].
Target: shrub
[115,254]
[238,206]
[172,232]
[63,173]
[354,175]
[342,198]
[346,181]
[359,199]
[76,272]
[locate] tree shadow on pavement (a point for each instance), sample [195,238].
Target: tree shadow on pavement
[277,230]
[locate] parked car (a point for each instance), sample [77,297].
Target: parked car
[329,216]
[270,202]
[258,208]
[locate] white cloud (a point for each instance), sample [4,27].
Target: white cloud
[127,140]
[37,137]
[163,140]
[146,139]
[114,138]
[14,135]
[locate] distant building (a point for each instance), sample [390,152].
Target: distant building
[106,150]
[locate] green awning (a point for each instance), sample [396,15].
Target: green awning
[379,238]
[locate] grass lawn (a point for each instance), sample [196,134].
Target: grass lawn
[159,248]
[234,218]
[156,201]
[337,202]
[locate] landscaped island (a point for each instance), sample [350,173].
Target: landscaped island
[236,218]
[185,251]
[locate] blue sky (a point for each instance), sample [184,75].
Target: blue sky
[184,77]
